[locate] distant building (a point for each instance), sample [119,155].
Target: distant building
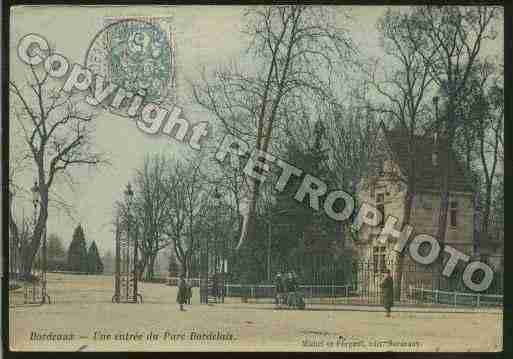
[386,190]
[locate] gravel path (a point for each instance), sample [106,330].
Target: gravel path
[83,318]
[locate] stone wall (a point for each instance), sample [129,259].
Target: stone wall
[424,219]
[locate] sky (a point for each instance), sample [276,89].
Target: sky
[205,36]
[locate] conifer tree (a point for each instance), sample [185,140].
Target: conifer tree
[299,229]
[77,252]
[95,264]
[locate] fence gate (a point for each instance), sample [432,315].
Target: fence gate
[28,288]
[125,276]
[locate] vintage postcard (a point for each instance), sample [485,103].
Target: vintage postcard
[256,178]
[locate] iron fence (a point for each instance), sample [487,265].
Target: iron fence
[27,288]
[345,294]
[324,280]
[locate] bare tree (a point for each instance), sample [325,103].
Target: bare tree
[350,133]
[189,201]
[296,50]
[19,234]
[483,111]
[151,210]
[407,81]
[168,209]
[57,133]
[450,39]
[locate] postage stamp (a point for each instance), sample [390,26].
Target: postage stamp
[289,178]
[137,54]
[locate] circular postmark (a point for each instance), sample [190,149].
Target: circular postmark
[135,55]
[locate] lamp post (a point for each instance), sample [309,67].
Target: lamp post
[13,248]
[117,278]
[129,194]
[217,198]
[18,260]
[35,202]
[435,162]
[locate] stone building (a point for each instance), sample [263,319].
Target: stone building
[386,190]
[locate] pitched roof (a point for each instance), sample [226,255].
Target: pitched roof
[428,173]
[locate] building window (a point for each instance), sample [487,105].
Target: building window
[378,259]
[453,213]
[380,206]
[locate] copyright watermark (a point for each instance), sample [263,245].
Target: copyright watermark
[136,90]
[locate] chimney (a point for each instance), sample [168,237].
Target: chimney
[434,155]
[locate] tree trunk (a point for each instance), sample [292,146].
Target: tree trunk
[248,263]
[408,203]
[28,256]
[400,256]
[142,266]
[29,251]
[27,259]
[486,212]
[186,270]
[444,208]
[150,270]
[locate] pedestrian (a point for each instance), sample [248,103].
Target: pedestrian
[290,285]
[220,288]
[189,291]
[280,289]
[299,300]
[181,297]
[294,281]
[387,288]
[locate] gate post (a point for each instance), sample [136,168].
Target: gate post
[117,274]
[125,284]
[45,297]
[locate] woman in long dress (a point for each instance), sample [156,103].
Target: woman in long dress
[182,295]
[387,288]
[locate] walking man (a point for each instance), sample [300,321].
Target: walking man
[280,290]
[220,287]
[387,288]
[183,290]
[215,287]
